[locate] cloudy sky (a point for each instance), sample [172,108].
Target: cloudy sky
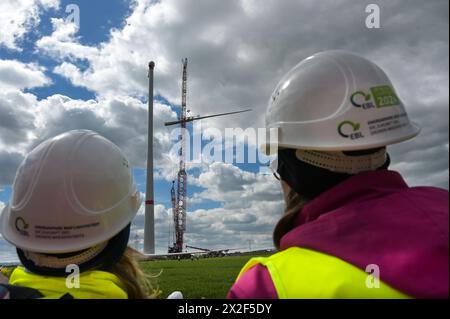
[56,76]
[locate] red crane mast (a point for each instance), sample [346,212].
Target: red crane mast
[179,203]
[179,199]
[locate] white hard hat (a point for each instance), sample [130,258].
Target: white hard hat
[336,101]
[72,192]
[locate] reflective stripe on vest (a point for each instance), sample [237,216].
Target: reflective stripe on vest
[304,273]
[94,284]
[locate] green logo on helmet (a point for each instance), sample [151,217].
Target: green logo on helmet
[383,95]
[21,226]
[349,129]
[362,100]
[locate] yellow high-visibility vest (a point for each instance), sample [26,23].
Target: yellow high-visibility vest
[94,284]
[303,273]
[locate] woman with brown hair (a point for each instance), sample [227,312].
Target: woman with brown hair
[69,217]
[352,228]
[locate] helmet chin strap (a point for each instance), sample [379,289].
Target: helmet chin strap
[52,261]
[309,180]
[340,163]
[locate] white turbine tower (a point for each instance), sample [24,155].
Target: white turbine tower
[149,229]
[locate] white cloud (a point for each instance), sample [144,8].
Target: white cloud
[26,121]
[63,42]
[16,119]
[233,187]
[17,75]
[252,204]
[232,228]
[243,218]
[161,228]
[17,130]
[123,120]
[236,65]
[17,112]
[17,17]
[9,162]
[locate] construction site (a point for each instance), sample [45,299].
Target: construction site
[178,193]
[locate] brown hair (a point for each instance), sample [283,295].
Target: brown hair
[137,283]
[313,182]
[294,205]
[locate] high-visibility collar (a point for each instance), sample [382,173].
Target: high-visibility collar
[94,284]
[303,273]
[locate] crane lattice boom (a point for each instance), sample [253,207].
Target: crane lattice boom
[179,199]
[179,204]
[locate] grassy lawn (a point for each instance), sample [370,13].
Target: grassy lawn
[202,278]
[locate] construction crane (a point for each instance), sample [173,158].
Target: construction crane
[179,199]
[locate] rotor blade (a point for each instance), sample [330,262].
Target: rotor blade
[192,118]
[220,114]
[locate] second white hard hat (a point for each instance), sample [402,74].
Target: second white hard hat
[72,192]
[336,101]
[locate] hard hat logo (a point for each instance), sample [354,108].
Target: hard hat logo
[382,96]
[21,226]
[345,127]
[361,99]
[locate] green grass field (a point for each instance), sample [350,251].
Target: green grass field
[202,278]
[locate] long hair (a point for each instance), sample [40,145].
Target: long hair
[294,205]
[136,282]
[306,182]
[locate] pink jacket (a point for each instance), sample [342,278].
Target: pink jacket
[372,218]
